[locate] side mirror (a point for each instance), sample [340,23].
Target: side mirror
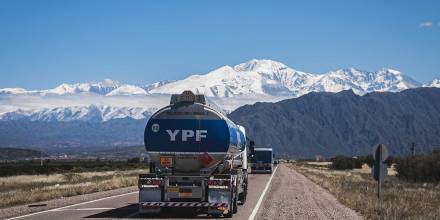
[252,147]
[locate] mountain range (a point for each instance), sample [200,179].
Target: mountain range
[338,112]
[344,123]
[228,87]
[321,123]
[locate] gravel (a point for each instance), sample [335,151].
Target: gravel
[293,196]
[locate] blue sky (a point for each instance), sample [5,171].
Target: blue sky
[45,43]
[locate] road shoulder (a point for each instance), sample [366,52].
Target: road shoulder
[293,196]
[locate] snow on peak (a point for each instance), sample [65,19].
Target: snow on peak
[103,87]
[392,71]
[273,78]
[228,86]
[149,87]
[94,113]
[13,91]
[68,89]
[108,83]
[265,77]
[127,90]
[433,83]
[264,66]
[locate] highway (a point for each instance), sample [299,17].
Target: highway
[125,206]
[286,194]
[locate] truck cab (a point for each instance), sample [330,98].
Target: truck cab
[262,160]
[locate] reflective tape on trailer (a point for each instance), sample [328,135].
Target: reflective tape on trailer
[184,204]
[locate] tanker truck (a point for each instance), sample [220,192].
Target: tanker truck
[262,160]
[198,159]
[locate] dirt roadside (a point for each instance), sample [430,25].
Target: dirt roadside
[293,196]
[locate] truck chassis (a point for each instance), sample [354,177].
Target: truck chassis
[215,195]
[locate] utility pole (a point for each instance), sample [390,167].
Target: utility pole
[41,157]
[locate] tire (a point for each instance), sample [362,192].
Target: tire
[229,214]
[216,215]
[235,206]
[233,209]
[242,196]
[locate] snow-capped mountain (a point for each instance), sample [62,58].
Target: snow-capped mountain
[228,86]
[276,79]
[13,91]
[79,113]
[127,90]
[433,83]
[263,77]
[104,87]
[156,85]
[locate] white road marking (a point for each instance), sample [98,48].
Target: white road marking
[82,203]
[251,217]
[254,212]
[132,215]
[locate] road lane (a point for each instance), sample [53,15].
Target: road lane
[125,206]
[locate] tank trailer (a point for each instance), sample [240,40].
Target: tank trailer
[198,159]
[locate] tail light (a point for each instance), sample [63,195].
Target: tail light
[218,183]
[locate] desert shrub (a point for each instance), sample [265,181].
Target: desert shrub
[71,177]
[345,163]
[369,160]
[389,161]
[34,167]
[134,160]
[419,168]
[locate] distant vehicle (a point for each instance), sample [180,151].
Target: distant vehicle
[262,160]
[198,159]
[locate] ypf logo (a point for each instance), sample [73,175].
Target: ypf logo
[155,127]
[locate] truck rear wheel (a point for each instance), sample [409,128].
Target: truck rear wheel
[242,197]
[232,210]
[228,215]
[235,207]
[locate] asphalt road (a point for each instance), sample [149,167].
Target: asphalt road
[289,195]
[125,206]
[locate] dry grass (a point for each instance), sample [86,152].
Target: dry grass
[357,190]
[26,189]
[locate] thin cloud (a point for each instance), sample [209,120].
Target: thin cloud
[426,24]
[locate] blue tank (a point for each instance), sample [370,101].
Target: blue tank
[194,134]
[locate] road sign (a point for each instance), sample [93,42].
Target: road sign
[381,152]
[379,172]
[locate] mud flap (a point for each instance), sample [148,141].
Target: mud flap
[153,194]
[219,196]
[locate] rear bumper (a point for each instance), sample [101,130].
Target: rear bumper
[262,169]
[183,205]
